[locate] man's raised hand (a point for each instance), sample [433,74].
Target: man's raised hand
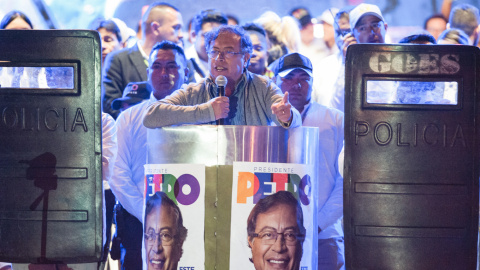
[283,109]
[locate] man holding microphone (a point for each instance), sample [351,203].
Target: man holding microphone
[249,99]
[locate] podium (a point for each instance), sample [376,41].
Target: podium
[219,148]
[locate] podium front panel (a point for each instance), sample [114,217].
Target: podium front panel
[218,147]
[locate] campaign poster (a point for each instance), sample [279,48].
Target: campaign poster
[174,217]
[273,221]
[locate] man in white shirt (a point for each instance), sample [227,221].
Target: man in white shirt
[203,22]
[315,48]
[294,75]
[368,26]
[166,72]
[327,70]
[109,154]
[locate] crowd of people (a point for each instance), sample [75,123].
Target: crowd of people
[277,73]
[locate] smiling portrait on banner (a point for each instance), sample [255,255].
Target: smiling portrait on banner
[273,216]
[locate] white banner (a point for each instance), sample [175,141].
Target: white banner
[182,187]
[271,194]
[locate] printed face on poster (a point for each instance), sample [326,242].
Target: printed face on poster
[273,222]
[174,205]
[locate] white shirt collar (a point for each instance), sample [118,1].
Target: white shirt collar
[305,109]
[142,52]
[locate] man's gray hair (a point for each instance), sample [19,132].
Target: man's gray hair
[245,41]
[160,199]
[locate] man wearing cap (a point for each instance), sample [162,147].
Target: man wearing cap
[294,75]
[249,99]
[368,26]
[134,93]
[166,72]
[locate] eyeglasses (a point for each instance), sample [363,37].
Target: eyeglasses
[165,237]
[365,28]
[213,54]
[270,237]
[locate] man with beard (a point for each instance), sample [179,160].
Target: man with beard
[368,26]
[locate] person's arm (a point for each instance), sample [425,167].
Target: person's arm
[109,145]
[332,210]
[348,40]
[122,183]
[184,107]
[446,8]
[338,98]
[282,112]
[112,86]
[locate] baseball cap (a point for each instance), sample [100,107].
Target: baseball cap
[135,92]
[364,9]
[302,15]
[290,62]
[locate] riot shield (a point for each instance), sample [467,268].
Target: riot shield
[411,157]
[50,146]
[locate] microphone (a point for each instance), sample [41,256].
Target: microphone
[221,81]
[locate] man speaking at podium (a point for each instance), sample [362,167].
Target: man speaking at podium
[249,99]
